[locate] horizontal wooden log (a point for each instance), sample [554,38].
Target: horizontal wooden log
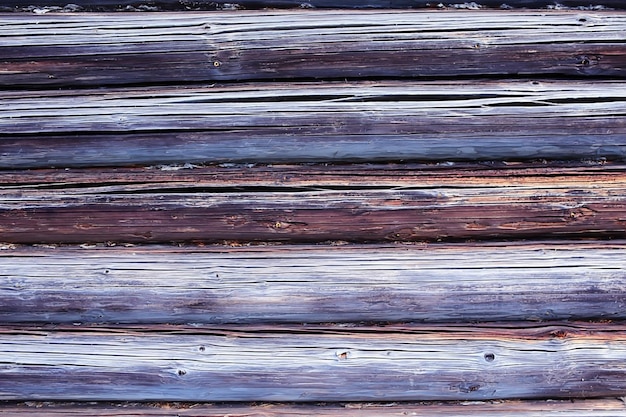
[41,6]
[538,174]
[314,284]
[101,49]
[609,407]
[447,207]
[313,122]
[305,363]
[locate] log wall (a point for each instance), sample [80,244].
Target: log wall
[313,212]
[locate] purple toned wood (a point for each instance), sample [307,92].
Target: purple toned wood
[313,122]
[309,363]
[113,49]
[313,284]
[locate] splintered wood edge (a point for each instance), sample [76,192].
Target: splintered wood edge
[607,407]
[190,177]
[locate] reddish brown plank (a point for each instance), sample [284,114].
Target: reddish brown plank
[538,174]
[609,407]
[446,207]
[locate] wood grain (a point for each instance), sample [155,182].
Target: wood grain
[113,49]
[120,129]
[227,176]
[314,284]
[609,407]
[444,207]
[161,5]
[313,364]
[314,122]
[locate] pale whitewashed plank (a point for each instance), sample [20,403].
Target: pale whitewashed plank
[312,363]
[313,284]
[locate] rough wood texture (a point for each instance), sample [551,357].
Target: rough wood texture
[313,122]
[447,207]
[195,322]
[138,5]
[313,363]
[62,50]
[539,174]
[311,284]
[553,408]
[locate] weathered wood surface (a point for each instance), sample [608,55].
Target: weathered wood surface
[101,49]
[313,122]
[234,313]
[539,174]
[401,206]
[138,5]
[314,284]
[609,407]
[308,363]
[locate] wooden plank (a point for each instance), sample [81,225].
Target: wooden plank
[109,49]
[608,407]
[133,5]
[538,174]
[445,207]
[314,284]
[307,363]
[314,122]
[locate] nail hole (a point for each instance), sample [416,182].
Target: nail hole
[106,271]
[201,348]
[216,64]
[181,372]
[582,19]
[489,357]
